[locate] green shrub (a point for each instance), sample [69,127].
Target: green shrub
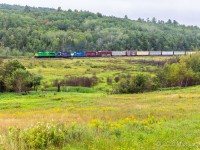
[192,61]
[78,81]
[109,80]
[15,77]
[44,135]
[177,74]
[135,84]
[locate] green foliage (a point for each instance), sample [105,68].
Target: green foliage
[135,84]
[124,133]
[78,81]
[36,81]
[11,66]
[27,9]
[78,89]
[109,80]
[55,135]
[183,73]
[192,61]
[7,76]
[19,81]
[43,135]
[15,77]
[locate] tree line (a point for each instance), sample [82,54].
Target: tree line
[28,30]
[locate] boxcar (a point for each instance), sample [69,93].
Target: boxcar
[155,53]
[131,53]
[105,53]
[92,54]
[142,53]
[176,53]
[167,53]
[118,53]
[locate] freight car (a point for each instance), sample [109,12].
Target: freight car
[92,54]
[179,53]
[167,53]
[131,53]
[155,53]
[110,53]
[142,53]
[119,53]
[105,53]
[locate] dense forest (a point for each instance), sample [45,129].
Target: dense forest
[29,29]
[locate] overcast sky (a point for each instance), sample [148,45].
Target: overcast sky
[184,11]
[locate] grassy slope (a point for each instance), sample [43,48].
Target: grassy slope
[177,110]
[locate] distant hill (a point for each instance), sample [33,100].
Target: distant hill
[28,29]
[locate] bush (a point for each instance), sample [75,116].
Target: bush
[109,80]
[192,61]
[116,79]
[42,135]
[177,74]
[135,84]
[15,77]
[78,81]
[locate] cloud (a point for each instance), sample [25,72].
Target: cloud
[184,11]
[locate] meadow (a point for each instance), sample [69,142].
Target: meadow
[103,68]
[92,118]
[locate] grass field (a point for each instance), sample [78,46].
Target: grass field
[167,119]
[52,69]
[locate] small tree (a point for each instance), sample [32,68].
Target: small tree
[135,84]
[27,9]
[109,80]
[36,81]
[125,17]
[192,61]
[9,67]
[15,77]
[139,83]
[21,80]
[59,9]
[177,74]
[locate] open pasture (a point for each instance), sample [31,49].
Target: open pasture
[167,119]
[103,68]
[175,115]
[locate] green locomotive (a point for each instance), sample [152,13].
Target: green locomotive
[45,54]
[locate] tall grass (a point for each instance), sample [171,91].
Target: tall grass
[72,89]
[127,133]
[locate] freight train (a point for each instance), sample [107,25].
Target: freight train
[110,54]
